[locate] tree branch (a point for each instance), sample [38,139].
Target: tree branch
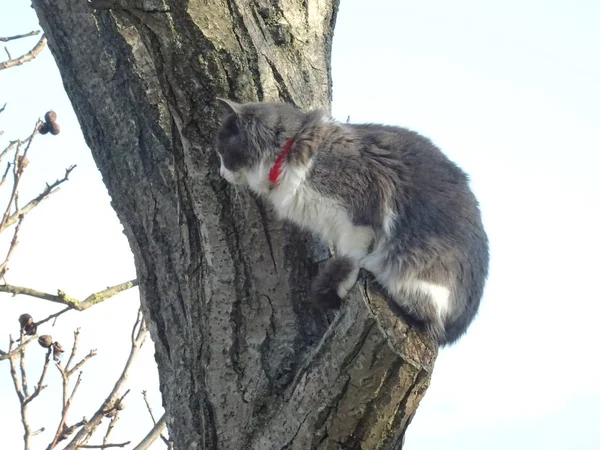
[67,405]
[139,333]
[105,445]
[19,36]
[144,394]
[11,249]
[65,299]
[39,387]
[13,352]
[8,220]
[35,51]
[154,433]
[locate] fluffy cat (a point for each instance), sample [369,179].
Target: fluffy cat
[390,201]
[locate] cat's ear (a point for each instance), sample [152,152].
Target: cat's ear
[229,106]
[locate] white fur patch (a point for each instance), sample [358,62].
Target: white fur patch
[439,294]
[226,173]
[348,283]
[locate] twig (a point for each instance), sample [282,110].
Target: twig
[39,387]
[138,337]
[9,147]
[77,366]
[123,444]
[65,299]
[19,36]
[59,430]
[53,316]
[73,350]
[11,249]
[145,395]
[154,433]
[22,367]
[50,189]
[35,51]
[111,425]
[13,352]
[18,385]
[18,165]
[8,166]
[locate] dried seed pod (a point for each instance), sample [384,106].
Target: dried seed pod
[44,128]
[57,350]
[31,329]
[54,128]
[45,341]
[50,116]
[25,319]
[27,324]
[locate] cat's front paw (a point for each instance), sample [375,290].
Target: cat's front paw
[324,293]
[335,279]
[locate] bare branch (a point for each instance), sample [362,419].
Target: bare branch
[13,370]
[145,395]
[35,433]
[78,366]
[65,299]
[40,387]
[22,367]
[73,349]
[111,425]
[105,445]
[20,387]
[35,51]
[112,401]
[154,433]
[61,425]
[5,173]
[50,189]
[19,36]
[53,316]
[11,249]
[13,352]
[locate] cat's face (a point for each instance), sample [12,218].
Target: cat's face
[232,148]
[250,137]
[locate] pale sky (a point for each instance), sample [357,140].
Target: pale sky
[509,90]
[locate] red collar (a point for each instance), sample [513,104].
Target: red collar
[276,167]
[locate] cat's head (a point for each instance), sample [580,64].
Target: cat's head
[250,137]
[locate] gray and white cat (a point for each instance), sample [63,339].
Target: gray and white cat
[390,201]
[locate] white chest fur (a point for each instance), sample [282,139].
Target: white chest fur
[296,201]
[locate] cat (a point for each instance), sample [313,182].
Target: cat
[390,201]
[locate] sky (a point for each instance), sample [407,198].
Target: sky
[509,90]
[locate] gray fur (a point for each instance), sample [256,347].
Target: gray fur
[372,170]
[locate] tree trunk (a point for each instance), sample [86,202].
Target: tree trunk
[246,361]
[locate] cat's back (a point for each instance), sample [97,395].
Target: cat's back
[383,167]
[396,146]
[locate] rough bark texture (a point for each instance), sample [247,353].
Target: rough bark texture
[245,360]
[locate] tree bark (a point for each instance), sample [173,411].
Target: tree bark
[246,361]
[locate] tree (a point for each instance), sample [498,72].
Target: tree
[245,360]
